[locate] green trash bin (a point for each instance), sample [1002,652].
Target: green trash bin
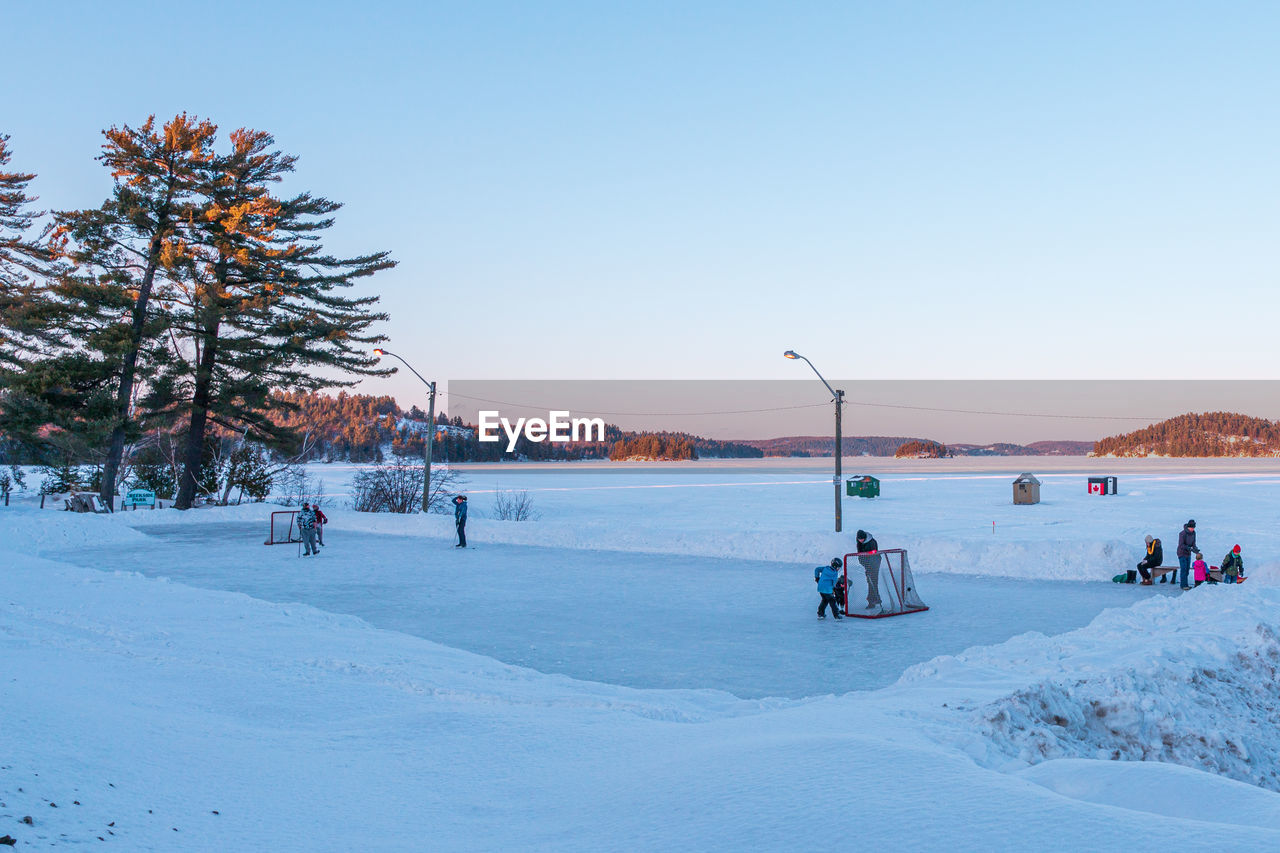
[863,486]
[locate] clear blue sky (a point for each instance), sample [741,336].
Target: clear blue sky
[662,190]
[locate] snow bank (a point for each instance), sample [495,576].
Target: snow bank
[1152,787]
[1187,680]
[1079,558]
[33,531]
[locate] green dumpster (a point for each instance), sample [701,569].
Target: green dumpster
[862,486]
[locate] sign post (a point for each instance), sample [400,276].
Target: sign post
[140,497]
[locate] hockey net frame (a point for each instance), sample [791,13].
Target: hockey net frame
[897,588]
[279,528]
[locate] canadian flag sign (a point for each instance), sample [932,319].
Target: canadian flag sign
[1102,486]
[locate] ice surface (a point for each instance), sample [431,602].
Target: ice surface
[642,620]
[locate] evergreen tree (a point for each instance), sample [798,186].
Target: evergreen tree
[259,303]
[60,479]
[37,394]
[250,473]
[151,471]
[23,262]
[116,253]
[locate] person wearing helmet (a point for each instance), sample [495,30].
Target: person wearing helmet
[307,527]
[825,577]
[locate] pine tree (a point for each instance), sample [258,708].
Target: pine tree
[250,472]
[116,253]
[38,394]
[23,262]
[259,303]
[153,472]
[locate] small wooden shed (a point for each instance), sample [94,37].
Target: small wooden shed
[1026,489]
[862,486]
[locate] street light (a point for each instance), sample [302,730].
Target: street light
[838,398]
[431,427]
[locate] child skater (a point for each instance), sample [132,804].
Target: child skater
[825,577]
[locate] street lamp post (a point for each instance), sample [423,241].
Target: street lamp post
[431,428]
[837,397]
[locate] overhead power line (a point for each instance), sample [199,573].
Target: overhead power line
[1009,414]
[1054,416]
[643,414]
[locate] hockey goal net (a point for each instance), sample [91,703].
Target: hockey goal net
[879,584]
[284,528]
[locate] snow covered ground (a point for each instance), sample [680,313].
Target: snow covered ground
[641,669]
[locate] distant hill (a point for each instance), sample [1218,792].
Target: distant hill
[885,445]
[1059,448]
[922,450]
[820,445]
[1036,448]
[1192,434]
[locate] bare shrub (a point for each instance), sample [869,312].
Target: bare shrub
[397,487]
[513,506]
[293,485]
[390,487]
[445,482]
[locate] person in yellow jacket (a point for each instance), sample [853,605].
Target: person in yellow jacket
[1155,556]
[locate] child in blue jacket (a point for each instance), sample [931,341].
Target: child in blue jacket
[825,577]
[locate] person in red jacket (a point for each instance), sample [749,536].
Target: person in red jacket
[321,521]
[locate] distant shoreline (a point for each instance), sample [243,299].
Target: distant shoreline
[822,467]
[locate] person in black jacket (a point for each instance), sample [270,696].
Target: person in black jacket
[1186,547]
[460,519]
[870,560]
[1155,556]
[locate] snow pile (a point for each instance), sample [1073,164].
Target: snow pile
[29,531]
[1157,789]
[1188,681]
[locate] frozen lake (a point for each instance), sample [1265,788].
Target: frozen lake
[634,619]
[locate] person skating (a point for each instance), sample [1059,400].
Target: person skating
[1233,566]
[870,560]
[460,519]
[825,577]
[1186,547]
[307,526]
[321,521]
[1155,556]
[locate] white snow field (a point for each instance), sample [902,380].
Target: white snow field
[641,669]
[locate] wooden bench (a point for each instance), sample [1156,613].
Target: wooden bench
[1214,573]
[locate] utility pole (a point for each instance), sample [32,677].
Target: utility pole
[838,398]
[426,453]
[839,453]
[431,427]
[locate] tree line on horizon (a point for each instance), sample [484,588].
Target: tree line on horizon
[924,449]
[175,308]
[1197,434]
